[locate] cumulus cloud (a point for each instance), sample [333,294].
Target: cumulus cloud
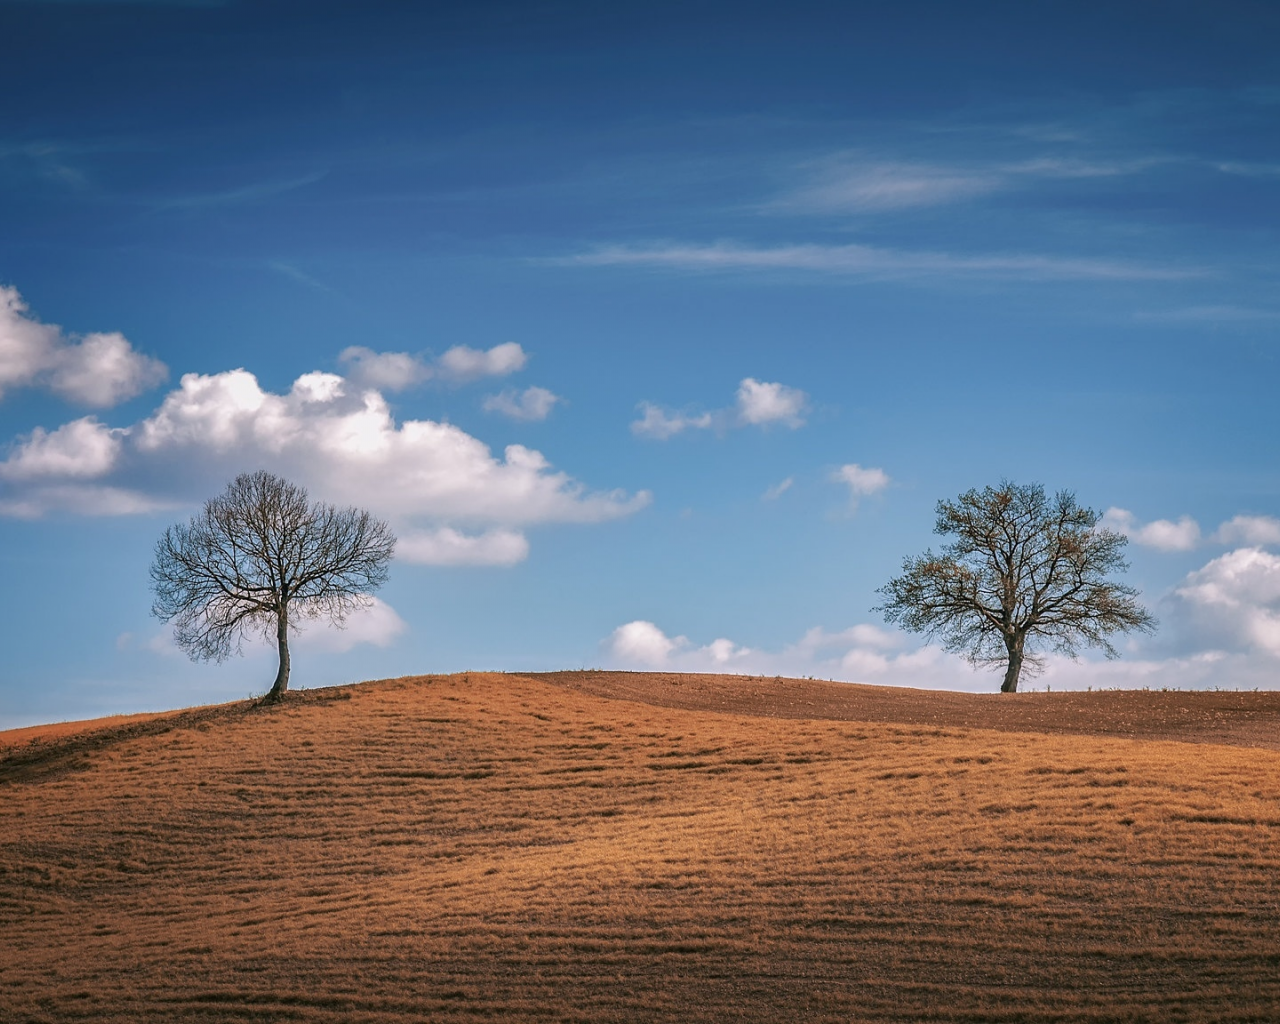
[462,363]
[1233,602]
[1241,654]
[530,405]
[1161,534]
[861,482]
[862,653]
[341,442]
[386,371]
[98,370]
[375,623]
[761,402]
[397,371]
[757,403]
[642,643]
[81,449]
[447,546]
[1255,531]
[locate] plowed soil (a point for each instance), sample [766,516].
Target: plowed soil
[632,847]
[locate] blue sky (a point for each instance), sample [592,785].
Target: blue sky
[655,330]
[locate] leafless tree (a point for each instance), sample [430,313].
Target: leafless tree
[259,555]
[1023,570]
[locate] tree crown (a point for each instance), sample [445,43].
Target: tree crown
[1023,570]
[261,553]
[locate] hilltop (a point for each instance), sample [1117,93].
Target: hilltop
[632,847]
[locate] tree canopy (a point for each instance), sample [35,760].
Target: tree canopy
[257,557]
[1024,572]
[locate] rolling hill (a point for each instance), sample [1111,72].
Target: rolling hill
[630,847]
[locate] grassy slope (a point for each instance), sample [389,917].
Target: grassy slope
[480,847]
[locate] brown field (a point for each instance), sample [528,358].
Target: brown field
[629,847]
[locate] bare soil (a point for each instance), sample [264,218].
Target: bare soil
[634,847]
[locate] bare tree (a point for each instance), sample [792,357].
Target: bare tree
[1023,570]
[259,555]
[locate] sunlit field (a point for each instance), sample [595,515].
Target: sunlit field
[503,847]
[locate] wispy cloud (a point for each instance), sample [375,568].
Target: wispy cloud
[300,276]
[874,262]
[1249,170]
[778,490]
[244,194]
[861,184]
[1219,314]
[874,186]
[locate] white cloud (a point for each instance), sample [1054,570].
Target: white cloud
[876,263]
[757,403]
[1234,601]
[1244,658]
[462,363]
[385,371]
[1161,534]
[346,447]
[877,186]
[856,183]
[642,643]
[103,370]
[375,623]
[657,423]
[1219,314]
[86,499]
[1185,534]
[761,402]
[98,370]
[1255,531]
[81,449]
[1220,629]
[861,482]
[530,405]
[1164,535]
[447,546]
[397,371]
[862,653]
[1249,170]
[778,490]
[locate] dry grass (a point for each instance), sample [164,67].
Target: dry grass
[512,848]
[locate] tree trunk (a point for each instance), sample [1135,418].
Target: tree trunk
[1010,684]
[282,644]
